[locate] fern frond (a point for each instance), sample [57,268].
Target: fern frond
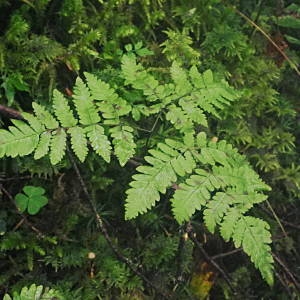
[19,140]
[35,292]
[152,180]
[215,210]
[44,116]
[83,101]
[34,122]
[254,236]
[46,133]
[58,146]
[42,148]
[228,223]
[124,145]
[99,141]
[108,101]
[243,178]
[100,90]
[222,184]
[180,79]
[221,202]
[62,110]
[210,95]
[193,194]
[136,76]
[185,118]
[79,142]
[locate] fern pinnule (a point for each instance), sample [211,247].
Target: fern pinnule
[44,116]
[85,106]
[124,145]
[58,146]
[62,110]
[79,142]
[19,140]
[42,148]
[99,141]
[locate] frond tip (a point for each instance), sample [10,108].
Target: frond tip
[253,235]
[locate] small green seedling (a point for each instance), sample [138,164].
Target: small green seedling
[32,200]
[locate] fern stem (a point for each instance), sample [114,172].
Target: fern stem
[287,288]
[101,226]
[179,256]
[292,64]
[12,113]
[192,236]
[276,218]
[259,11]
[286,269]
[221,255]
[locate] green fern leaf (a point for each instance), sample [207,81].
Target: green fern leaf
[201,139]
[180,78]
[85,107]
[4,138]
[34,122]
[108,101]
[179,118]
[243,178]
[254,236]
[43,146]
[212,156]
[193,194]
[145,188]
[135,75]
[58,146]
[62,110]
[218,207]
[229,222]
[211,96]
[140,197]
[155,179]
[20,140]
[183,164]
[215,210]
[34,292]
[194,113]
[99,141]
[79,142]
[100,90]
[44,116]
[124,145]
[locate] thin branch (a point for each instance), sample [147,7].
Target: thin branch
[295,226]
[284,284]
[101,226]
[259,10]
[292,64]
[29,3]
[286,269]
[276,218]
[179,257]
[11,113]
[16,178]
[134,163]
[192,236]
[221,255]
